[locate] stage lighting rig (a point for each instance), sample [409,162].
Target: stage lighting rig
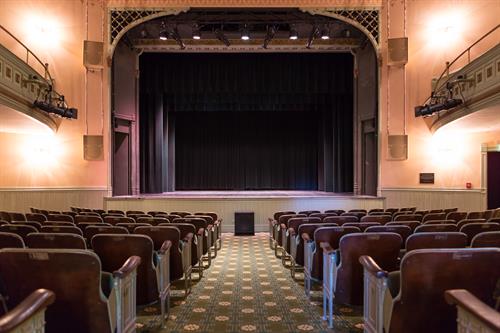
[430,109]
[271,31]
[53,102]
[219,33]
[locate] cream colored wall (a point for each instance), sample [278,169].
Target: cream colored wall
[54,31]
[455,158]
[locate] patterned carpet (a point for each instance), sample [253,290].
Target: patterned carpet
[247,289]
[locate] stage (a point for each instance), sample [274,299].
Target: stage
[226,203]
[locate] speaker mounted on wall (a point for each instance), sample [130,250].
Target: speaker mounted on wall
[93,147]
[93,54]
[397,147]
[397,51]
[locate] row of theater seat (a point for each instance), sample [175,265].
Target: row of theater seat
[168,251]
[330,253]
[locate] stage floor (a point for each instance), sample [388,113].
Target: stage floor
[242,194]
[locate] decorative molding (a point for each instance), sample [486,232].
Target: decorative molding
[365,19]
[364,15]
[244,3]
[121,20]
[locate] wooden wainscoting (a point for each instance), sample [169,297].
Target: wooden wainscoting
[434,198]
[60,199]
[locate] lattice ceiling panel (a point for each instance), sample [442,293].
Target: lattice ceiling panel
[120,19]
[369,19]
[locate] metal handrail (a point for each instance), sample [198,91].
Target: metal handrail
[45,66]
[449,64]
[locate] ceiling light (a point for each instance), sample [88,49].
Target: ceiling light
[325,33]
[163,31]
[196,32]
[245,35]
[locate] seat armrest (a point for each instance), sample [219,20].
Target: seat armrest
[283,226]
[128,267]
[371,267]
[306,237]
[188,238]
[210,227]
[475,310]
[327,248]
[291,232]
[201,232]
[165,247]
[35,303]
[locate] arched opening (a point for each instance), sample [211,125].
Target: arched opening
[143,164]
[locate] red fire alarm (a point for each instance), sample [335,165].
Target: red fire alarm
[468,185]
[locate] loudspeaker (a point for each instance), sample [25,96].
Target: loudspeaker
[93,54]
[397,147]
[397,51]
[93,148]
[244,223]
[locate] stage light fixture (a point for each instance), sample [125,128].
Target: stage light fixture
[219,34]
[245,34]
[163,31]
[271,31]
[314,33]
[294,35]
[430,109]
[325,33]
[196,32]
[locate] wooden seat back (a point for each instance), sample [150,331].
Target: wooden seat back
[340,220]
[436,240]
[408,217]
[436,228]
[60,217]
[113,250]
[10,240]
[358,214]
[62,229]
[44,240]
[382,219]
[331,235]
[486,239]
[180,213]
[456,216]
[73,275]
[336,211]
[308,212]
[461,223]
[362,225]
[439,222]
[36,225]
[427,274]
[37,217]
[402,230]
[93,230]
[88,218]
[131,226]
[160,234]
[412,224]
[18,229]
[154,221]
[17,216]
[434,216]
[475,215]
[115,219]
[383,247]
[472,229]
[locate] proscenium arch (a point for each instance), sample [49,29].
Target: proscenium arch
[161,12]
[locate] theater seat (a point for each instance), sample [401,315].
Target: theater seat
[75,278]
[473,229]
[10,240]
[486,239]
[43,240]
[18,229]
[29,315]
[153,278]
[196,244]
[436,240]
[272,227]
[425,276]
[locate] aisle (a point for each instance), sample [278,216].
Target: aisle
[248,290]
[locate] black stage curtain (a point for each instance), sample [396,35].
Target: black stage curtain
[246,121]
